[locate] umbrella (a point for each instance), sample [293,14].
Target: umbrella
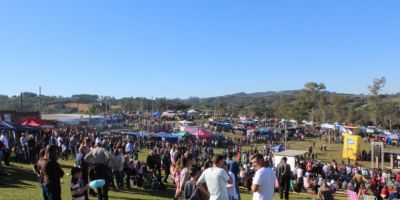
[184,134]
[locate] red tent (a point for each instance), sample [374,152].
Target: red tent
[35,123]
[200,133]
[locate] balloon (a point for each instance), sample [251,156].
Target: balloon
[97,183]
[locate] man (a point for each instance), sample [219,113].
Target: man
[233,166]
[153,162]
[216,179]
[129,148]
[24,144]
[6,150]
[100,159]
[73,145]
[283,173]
[264,179]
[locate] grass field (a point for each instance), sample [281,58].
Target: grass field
[21,182]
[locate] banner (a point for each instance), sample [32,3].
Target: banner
[351,146]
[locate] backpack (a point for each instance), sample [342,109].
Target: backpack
[284,172]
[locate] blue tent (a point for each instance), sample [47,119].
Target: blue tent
[16,127]
[278,148]
[5,127]
[166,135]
[157,114]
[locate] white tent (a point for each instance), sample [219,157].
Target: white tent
[192,111]
[290,155]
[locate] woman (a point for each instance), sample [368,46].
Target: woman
[118,167]
[38,172]
[52,173]
[187,162]
[177,179]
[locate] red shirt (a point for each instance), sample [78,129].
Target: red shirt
[385,191]
[309,166]
[398,177]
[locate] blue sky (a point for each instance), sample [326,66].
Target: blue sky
[196,48]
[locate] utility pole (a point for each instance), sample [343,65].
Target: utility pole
[40,103]
[152,105]
[22,105]
[106,106]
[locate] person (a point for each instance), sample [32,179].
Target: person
[233,166]
[153,162]
[372,191]
[358,180]
[187,162]
[38,172]
[73,143]
[325,192]
[80,162]
[24,144]
[118,167]
[2,146]
[216,179]
[283,173]
[52,173]
[166,163]
[191,192]
[177,179]
[77,187]
[232,194]
[6,149]
[100,158]
[263,184]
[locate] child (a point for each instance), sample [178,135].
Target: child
[191,192]
[77,187]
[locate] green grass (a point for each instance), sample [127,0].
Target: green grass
[21,182]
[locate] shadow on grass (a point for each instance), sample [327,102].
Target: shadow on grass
[140,193]
[16,177]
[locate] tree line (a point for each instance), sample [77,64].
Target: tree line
[312,103]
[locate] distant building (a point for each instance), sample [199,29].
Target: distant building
[80,107]
[15,116]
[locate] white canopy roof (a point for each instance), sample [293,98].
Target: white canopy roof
[291,153]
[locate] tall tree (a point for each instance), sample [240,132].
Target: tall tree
[313,91]
[338,106]
[374,90]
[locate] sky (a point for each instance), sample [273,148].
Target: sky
[179,49]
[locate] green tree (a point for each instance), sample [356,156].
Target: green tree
[374,98]
[312,92]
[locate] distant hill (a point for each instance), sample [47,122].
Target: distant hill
[295,104]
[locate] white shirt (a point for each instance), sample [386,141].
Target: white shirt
[60,141]
[265,179]
[129,148]
[232,187]
[173,153]
[24,141]
[299,172]
[216,180]
[4,139]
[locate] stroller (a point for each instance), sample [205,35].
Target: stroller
[150,180]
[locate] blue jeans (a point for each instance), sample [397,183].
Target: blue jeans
[73,151]
[101,172]
[119,176]
[44,194]
[25,152]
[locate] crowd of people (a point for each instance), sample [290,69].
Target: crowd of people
[190,164]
